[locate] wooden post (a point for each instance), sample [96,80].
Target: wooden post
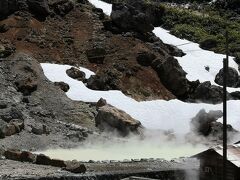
[225,70]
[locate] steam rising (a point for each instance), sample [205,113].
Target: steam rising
[153,145]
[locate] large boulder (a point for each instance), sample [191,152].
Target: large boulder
[128,18]
[76,74]
[39,8]
[207,93]
[232,77]
[202,122]
[7,7]
[112,119]
[206,124]
[106,80]
[172,76]
[154,12]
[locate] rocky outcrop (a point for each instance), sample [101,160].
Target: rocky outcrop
[112,119]
[128,18]
[172,76]
[233,79]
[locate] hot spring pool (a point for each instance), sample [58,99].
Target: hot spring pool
[127,150]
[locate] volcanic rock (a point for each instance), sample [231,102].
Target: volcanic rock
[101,102]
[13,155]
[43,159]
[232,77]
[4,28]
[172,76]
[39,8]
[57,163]
[153,12]
[111,118]
[76,74]
[127,18]
[235,95]
[175,51]
[26,80]
[202,122]
[96,55]
[106,80]
[6,50]
[10,113]
[27,157]
[145,58]
[208,93]
[7,7]
[63,86]
[39,129]
[62,7]
[75,167]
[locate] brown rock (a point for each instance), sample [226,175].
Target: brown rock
[27,157]
[63,86]
[101,102]
[96,55]
[57,163]
[43,159]
[10,129]
[75,167]
[110,118]
[76,74]
[13,155]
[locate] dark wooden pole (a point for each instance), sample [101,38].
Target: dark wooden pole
[225,70]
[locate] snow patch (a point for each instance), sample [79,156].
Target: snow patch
[106,7]
[158,114]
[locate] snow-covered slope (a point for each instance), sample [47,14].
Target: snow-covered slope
[196,59]
[158,114]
